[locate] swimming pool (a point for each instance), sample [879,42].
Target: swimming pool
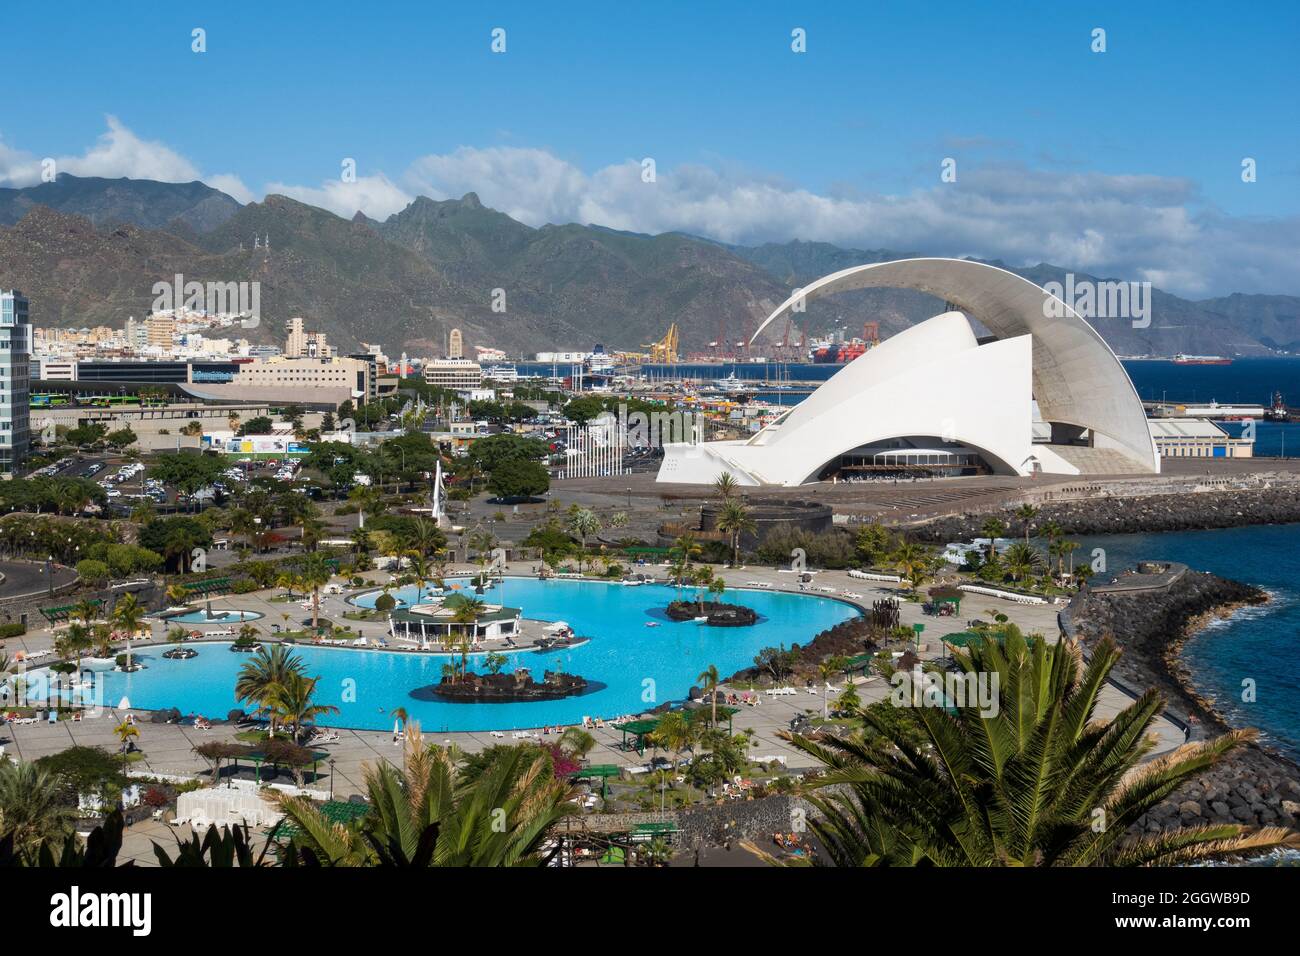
[218,617]
[635,666]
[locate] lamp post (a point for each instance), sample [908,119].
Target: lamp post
[331,764]
[49,574]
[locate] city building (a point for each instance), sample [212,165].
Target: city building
[299,374]
[160,330]
[936,400]
[300,343]
[455,345]
[1197,438]
[458,374]
[15,358]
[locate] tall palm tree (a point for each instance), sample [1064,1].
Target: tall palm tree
[735,520]
[429,814]
[291,701]
[262,673]
[710,678]
[128,612]
[314,573]
[32,807]
[1022,785]
[683,550]
[1026,514]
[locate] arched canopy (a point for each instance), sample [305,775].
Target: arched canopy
[1077,380]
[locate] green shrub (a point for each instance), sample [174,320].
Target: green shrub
[385,603]
[15,629]
[94,573]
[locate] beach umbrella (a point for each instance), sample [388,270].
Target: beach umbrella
[124,704]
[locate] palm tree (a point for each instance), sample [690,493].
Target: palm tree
[127,615]
[291,701]
[262,673]
[420,571]
[85,609]
[583,522]
[683,549]
[674,732]
[287,580]
[429,814]
[125,731]
[710,678]
[734,519]
[176,594]
[910,558]
[1026,514]
[1022,559]
[725,486]
[314,572]
[1051,531]
[73,642]
[1022,785]
[993,528]
[466,611]
[426,536]
[32,807]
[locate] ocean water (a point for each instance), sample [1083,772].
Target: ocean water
[633,666]
[1257,647]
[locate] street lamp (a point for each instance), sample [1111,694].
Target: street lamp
[331,778]
[49,574]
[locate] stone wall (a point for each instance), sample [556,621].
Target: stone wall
[1106,514]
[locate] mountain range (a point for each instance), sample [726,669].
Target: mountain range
[88,251]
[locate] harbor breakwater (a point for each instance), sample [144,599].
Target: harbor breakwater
[1116,514]
[1150,616]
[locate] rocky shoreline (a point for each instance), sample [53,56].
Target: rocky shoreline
[1154,513]
[1253,785]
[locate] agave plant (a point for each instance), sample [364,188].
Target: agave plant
[1039,783]
[429,815]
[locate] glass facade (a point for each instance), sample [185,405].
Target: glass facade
[15,360]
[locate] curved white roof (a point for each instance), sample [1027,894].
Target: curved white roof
[1077,379]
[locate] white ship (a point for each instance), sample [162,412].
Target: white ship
[501,373]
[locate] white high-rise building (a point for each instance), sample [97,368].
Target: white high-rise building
[15,362]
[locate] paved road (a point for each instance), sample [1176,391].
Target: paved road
[26,578]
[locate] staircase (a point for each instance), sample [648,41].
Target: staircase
[1098,461]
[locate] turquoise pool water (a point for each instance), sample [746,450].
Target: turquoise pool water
[637,666]
[218,617]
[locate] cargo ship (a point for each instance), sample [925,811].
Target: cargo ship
[1181,359]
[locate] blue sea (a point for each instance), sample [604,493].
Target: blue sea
[1258,644]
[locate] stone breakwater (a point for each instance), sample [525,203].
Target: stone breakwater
[1252,785]
[1190,511]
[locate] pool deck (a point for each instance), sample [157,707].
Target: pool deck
[168,747]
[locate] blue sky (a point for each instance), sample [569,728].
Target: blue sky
[1103,161]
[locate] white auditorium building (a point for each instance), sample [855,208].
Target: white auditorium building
[1043,393]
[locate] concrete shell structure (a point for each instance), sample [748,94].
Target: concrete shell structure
[936,380]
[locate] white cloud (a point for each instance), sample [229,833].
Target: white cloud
[1132,227]
[376,196]
[1123,226]
[232,186]
[120,153]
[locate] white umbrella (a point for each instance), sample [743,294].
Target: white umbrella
[124,704]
